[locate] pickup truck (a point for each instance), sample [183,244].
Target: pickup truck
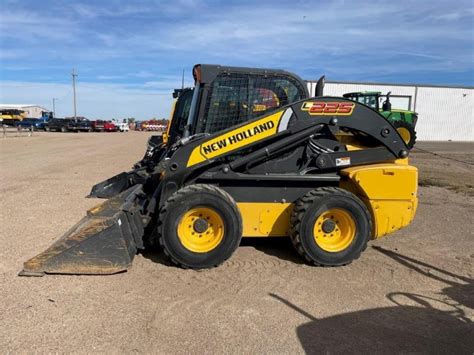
[36,123]
[103,126]
[68,125]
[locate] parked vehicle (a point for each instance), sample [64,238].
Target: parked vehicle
[110,127]
[154,125]
[98,125]
[403,120]
[123,127]
[80,125]
[328,173]
[57,124]
[103,126]
[11,116]
[68,125]
[36,123]
[46,115]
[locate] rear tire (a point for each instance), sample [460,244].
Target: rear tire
[47,129]
[199,226]
[63,129]
[407,132]
[330,226]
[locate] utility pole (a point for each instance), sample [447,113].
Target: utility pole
[182,81]
[54,107]
[74,75]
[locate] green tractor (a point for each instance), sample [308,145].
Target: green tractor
[403,120]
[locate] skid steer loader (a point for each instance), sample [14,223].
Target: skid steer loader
[248,154]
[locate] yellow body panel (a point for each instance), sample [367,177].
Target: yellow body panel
[389,192]
[236,139]
[262,219]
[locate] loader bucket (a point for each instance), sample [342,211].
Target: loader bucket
[104,242]
[112,186]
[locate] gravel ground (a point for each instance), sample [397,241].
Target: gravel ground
[412,291]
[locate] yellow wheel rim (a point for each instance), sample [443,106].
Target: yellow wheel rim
[334,230]
[405,134]
[201,229]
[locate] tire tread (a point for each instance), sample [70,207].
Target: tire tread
[190,189]
[303,204]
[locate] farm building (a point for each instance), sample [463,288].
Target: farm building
[444,112]
[31,111]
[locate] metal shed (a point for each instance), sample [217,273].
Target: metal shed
[444,112]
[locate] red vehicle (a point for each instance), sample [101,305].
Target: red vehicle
[103,126]
[110,127]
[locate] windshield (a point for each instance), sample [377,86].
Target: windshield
[367,100]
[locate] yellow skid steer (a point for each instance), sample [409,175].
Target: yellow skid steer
[248,154]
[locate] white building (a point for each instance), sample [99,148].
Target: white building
[31,111]
[444,112]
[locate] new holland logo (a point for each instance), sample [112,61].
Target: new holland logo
[328,108]
[237,137]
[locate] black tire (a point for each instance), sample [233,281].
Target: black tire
[406,131]
[173,213]
[47,129]
[310,207]
[63,129]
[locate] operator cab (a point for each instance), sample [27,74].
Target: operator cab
[227,96]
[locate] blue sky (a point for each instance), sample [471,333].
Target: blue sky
[129,55]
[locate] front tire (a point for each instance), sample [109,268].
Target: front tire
[199,226]
[330,226]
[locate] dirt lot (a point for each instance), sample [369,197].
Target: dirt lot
[412,291]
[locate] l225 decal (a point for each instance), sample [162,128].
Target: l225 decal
[332,108]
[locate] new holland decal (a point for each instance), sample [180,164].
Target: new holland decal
[235,139]
[328,108]
[238,137]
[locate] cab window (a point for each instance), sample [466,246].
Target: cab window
[237,98]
